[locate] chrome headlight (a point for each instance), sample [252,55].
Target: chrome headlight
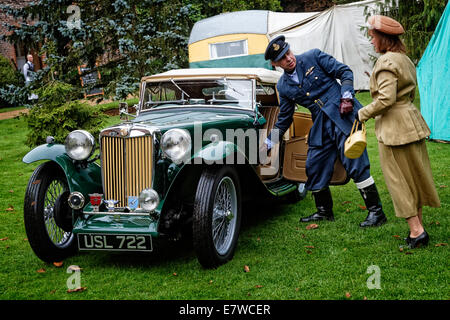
[79,144]
[176,144]
[148,199]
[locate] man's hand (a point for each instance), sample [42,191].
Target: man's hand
[346,106]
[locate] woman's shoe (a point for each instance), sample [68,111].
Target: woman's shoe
[420,241]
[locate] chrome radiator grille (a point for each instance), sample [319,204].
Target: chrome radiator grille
[126,167]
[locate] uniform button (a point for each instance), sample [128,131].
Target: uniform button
[307,94]
[300,87]
[316,78]
[315,101]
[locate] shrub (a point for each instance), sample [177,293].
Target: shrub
[8,75]
[56,115]
[12,85]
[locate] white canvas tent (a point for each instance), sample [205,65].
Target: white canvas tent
[245,34]
[338,31]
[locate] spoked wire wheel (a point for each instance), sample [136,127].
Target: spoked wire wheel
[224,215]
[57,235]
[46,190]
[217,216]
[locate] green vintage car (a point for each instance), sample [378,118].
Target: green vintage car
[186,160]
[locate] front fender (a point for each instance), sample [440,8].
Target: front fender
[85,179]
[216,152]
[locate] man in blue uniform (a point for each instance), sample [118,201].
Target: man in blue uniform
[309,79]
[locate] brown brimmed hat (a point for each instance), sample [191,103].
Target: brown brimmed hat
[385,25]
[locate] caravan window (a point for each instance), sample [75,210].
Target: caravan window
[228,49]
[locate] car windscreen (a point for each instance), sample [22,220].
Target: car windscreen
[225,92]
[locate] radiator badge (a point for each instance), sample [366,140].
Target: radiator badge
[96,200]
[110,204]
[133,202]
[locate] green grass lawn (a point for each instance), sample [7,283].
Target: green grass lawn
[286,260]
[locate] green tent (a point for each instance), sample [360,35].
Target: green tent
[433,76]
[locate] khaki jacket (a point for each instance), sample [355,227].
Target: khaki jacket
[392,86]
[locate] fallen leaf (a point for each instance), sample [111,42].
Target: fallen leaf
[296,289]
[3,239]
[53,291]
[58,264]
[80,289]
[309,247]
[10,208]
[42,270]
[26,239]
[365,298]
[443,186]
[362,207]
[248,294]
[36,181]
[408,252]
[348,295]
[437,245]
[303,236]
[312,226]
[346,202]
[258,286]
[246,269]
[345,249]
[258,239]
[308,251]
[11,191]
[175,274]
[396,236]
[400,249]
[210,281]
[347,210]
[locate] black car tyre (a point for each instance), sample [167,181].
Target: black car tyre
[217,216]
[48,241]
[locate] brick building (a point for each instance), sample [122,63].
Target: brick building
[16,52]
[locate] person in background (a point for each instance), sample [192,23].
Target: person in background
[28,70]
[28,73]
[400,128]
[309,79]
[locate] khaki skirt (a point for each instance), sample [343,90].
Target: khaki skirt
[407,172]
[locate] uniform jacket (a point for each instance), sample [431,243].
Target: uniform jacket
[318,91]
[392,86]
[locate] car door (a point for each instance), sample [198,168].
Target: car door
[296,150]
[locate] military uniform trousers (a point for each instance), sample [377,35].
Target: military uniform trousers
[320,159]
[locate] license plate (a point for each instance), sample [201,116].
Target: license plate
[109,242]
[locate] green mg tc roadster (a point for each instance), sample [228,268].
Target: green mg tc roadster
[185,160]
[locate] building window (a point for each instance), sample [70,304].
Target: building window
[229,49]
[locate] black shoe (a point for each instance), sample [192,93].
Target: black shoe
[376,216]
[317,217]
[324,205]
[420,241]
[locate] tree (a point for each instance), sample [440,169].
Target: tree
[124,39]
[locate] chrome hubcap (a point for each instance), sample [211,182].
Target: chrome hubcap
[224,215]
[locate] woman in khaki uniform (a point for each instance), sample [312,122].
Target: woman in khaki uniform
[400,129]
